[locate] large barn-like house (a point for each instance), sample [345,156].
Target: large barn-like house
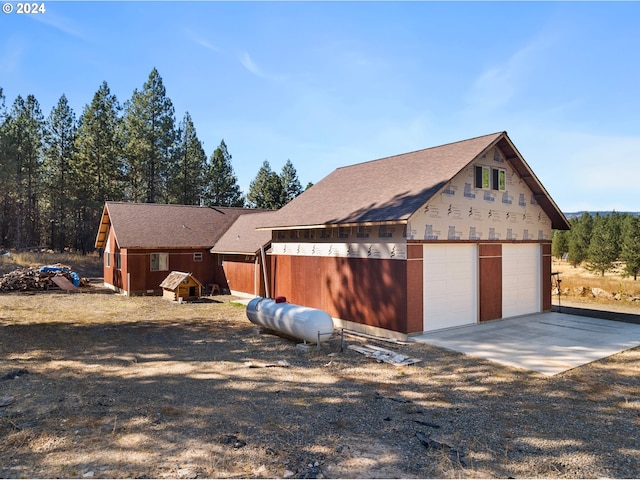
[442,237]
[437,238]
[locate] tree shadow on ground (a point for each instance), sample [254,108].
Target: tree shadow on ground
[160,399]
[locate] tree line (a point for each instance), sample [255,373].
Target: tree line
[56,172]
[601,242]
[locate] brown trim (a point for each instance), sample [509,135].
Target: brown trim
[479,242]
[490,281]
[545,271]
[415,289]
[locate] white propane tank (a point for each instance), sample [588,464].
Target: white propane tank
[294,320]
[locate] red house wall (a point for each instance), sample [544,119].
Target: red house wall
[243,275]
[365,291]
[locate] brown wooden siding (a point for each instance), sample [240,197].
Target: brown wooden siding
[365,291]
[490,274]
[415,294]
[546,277]
[243,275]
[136,266]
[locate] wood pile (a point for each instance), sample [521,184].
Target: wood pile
[32,279]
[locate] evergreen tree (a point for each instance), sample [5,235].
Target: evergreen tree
[630,251]
[579,238]
[602,251]
[266,191]
[59,138]
[615,222]
[23,162]
[560,243]
[186,180]
[149,128]
[6,206]
[98,168]
[221,183]
[290,183]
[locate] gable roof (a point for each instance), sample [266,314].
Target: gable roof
[174,279]
[152,225]
[391,189]
[242,237]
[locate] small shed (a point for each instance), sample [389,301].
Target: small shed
[180,286]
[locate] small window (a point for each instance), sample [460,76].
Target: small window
[107,260]
[343,232]
[197,257]
[488,178]
[325,233]
[159,262]
[385,232]
[499,179]
[118,261]
[482,176]
[363,232]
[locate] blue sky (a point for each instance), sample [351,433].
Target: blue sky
[328,84]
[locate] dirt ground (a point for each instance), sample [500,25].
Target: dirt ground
[97,385]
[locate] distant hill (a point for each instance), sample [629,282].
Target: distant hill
[571,215]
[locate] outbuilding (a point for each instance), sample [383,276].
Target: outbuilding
[441,237]
[143,242]
[179,286]
[241,251]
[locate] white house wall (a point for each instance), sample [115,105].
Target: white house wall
[374,242]
[462,212]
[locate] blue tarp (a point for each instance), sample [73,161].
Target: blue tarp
[75,278]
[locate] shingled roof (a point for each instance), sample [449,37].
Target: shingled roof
[391,189]
[151,225]
[242,237]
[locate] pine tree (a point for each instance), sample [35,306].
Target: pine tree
[186,179]
[266,191]
[579,239]
[6,167]
[560,243]
[149,127]
[630,251]
[23,151]
[602,251]
[60,129]
[221,183]
[290,183]
[99,170]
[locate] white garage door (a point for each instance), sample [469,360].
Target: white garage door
[520,279]
[450,285]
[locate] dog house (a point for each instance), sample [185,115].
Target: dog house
[180,286]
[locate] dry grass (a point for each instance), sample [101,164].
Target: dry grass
[613,282]
[123,387]
[86,265]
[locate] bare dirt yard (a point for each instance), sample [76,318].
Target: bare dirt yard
[97,385]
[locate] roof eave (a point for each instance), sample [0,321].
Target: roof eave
[337,225]
[558,220]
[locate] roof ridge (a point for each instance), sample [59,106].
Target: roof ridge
[423,149]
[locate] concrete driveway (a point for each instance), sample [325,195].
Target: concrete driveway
[548,343]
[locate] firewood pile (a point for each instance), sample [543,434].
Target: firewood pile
[36,278]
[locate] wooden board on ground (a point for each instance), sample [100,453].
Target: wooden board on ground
[64,283]
[384,355]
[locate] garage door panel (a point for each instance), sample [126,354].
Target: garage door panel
[450,285]
[520,279]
